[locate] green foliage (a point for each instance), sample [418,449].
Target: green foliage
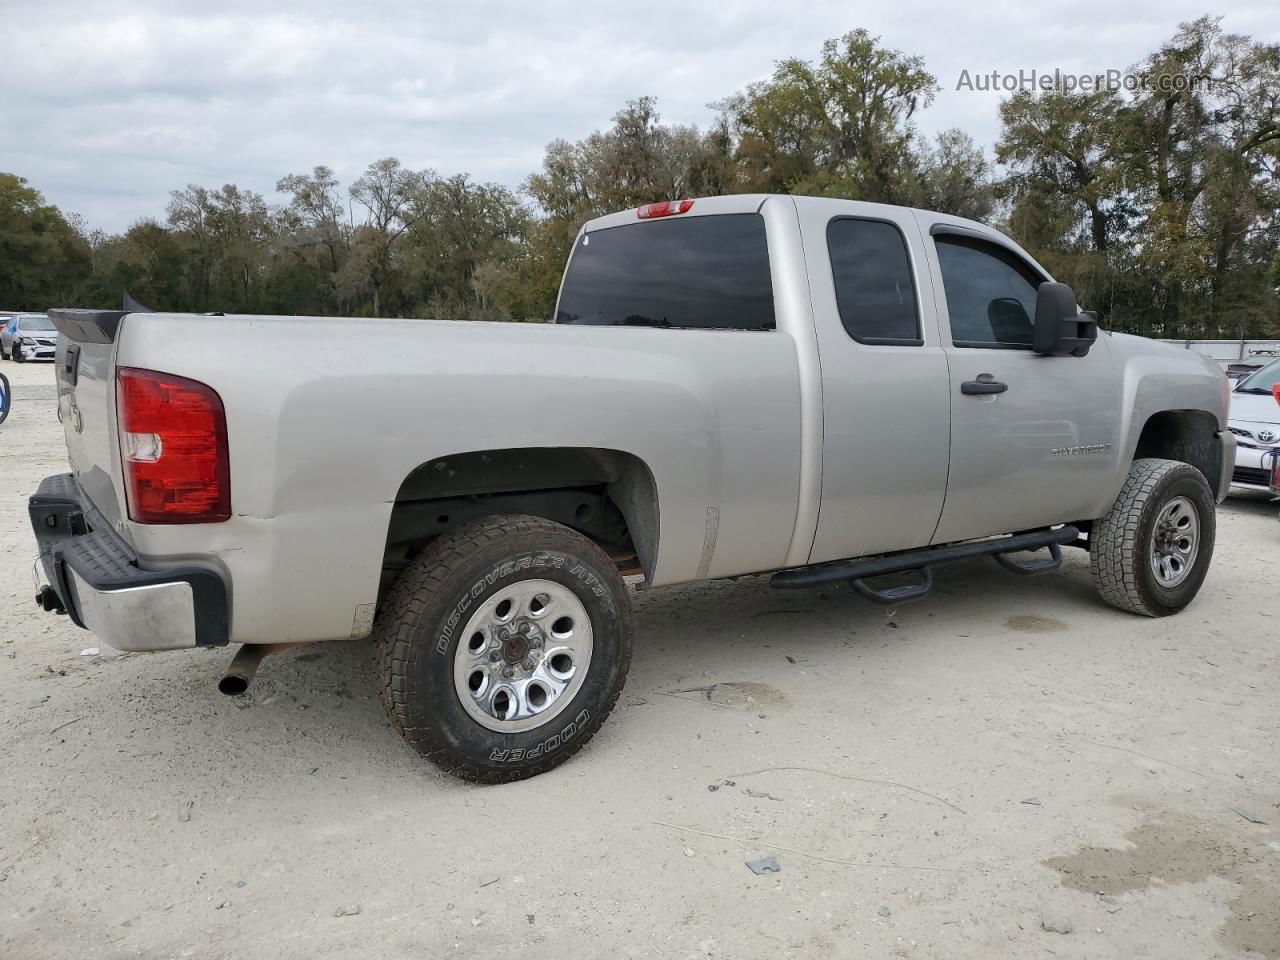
[839,127]
[955,177]
[42,258]
[1159,205]
[400,243]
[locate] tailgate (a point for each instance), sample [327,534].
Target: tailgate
[85,373]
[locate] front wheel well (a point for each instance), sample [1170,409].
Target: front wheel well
[1185,435]
[608,496]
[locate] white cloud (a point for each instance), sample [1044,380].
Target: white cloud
[106,106]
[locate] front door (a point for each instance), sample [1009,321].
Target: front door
[1038,451]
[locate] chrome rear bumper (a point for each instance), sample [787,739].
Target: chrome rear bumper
[159,616]
[98,581]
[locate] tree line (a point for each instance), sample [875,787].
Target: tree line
[1159,202]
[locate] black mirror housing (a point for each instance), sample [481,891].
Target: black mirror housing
[1060,329]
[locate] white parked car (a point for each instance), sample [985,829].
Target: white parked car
[28,336]
[1255,420]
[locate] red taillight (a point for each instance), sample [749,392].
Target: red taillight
[173,441]
[667,208]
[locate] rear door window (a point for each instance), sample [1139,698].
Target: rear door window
[875,293]
[708,273]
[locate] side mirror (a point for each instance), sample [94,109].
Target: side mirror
[1060,329]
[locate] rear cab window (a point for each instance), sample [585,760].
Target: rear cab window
[690,273]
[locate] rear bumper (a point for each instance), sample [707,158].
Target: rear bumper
[98,580]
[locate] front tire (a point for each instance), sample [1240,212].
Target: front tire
[1150,554]
[503,647]
[15,353]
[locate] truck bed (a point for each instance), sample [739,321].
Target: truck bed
[326,417]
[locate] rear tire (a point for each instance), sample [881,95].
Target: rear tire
[1150,554]
[495,695]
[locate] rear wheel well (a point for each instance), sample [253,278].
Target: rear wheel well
[1185,435]
[607,495]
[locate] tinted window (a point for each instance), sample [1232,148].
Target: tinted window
[874,291]
[991,293]
[708,272]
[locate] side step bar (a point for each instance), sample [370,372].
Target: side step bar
[926,558]
[890,595]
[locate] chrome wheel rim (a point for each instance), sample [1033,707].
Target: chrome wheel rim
[522,656]
[1175,542]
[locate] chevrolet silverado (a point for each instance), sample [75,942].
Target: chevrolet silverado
[826,390]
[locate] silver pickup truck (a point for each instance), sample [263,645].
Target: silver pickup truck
[827,390]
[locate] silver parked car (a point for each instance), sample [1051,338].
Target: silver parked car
[28,336]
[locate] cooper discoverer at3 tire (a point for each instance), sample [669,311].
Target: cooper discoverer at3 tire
[1150,554]
[503,647]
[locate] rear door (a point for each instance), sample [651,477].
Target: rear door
[1041,451]
[884,379]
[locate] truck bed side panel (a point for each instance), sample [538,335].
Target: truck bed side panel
[327,417]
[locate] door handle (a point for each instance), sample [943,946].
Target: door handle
[985,383]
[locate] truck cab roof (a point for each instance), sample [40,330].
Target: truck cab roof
[838,206]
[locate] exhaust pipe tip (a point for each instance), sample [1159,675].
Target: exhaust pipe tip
[244,666]
[241,669]
[234,684]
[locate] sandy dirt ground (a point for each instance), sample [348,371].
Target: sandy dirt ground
[1006,769]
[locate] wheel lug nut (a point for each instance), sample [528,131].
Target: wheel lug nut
[508,672]
[527,663]
[495,656]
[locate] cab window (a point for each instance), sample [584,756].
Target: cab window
[991,293]
[875,293]
[701,273]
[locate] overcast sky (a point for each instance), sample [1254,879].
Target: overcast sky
[106,106]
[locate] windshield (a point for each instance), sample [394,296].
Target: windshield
[1261,381]
[34,323]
